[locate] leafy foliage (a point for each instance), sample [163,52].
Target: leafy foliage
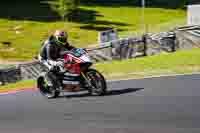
[193,2]
[152,3]
[155,3]
[65,8]
[167,3]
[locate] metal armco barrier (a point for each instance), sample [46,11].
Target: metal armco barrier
[125,48]
[31,70]
[115,50]
[9,75]
[188,37]
[118,49]
[162,42]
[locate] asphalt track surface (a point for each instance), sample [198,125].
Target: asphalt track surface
[157,105]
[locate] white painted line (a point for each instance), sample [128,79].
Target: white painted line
[159,76]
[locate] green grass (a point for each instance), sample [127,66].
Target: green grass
[182,62]
[2,66]
[127,20]
[22,84]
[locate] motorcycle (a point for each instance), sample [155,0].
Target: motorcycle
[74,75]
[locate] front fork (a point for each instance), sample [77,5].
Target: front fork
[90,86]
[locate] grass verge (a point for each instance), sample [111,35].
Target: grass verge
[27,27]
[19,85]
[181,62]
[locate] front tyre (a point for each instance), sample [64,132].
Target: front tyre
[46,86]
[97,82]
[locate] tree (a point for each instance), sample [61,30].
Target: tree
[65,8]
[184,3]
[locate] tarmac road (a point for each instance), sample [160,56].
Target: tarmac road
[166,105]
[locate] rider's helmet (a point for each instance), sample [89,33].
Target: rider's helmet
[60,37]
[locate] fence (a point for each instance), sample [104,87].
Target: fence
[9,75]
[188,37]
[31,70]
[162,42]
[124,48]
[118,49]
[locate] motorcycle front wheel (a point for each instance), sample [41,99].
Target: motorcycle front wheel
[46,86]
[97,82]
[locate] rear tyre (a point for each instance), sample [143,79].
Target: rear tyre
[98,84]
[47,86]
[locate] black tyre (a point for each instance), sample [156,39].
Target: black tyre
[47,86]
[98,84]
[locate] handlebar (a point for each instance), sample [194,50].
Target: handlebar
[60,60]
[74,52]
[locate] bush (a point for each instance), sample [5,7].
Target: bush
[65,8]
[154,3]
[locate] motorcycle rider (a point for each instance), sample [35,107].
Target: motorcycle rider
[51,51]
[53,47]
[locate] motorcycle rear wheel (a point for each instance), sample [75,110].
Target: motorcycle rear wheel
[98,83]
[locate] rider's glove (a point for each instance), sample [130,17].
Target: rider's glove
[59,63]
[55,63]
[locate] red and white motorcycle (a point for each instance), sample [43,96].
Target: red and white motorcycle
[73,76]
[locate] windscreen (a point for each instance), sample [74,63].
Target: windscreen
[78,52]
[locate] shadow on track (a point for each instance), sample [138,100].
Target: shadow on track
[109,93]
